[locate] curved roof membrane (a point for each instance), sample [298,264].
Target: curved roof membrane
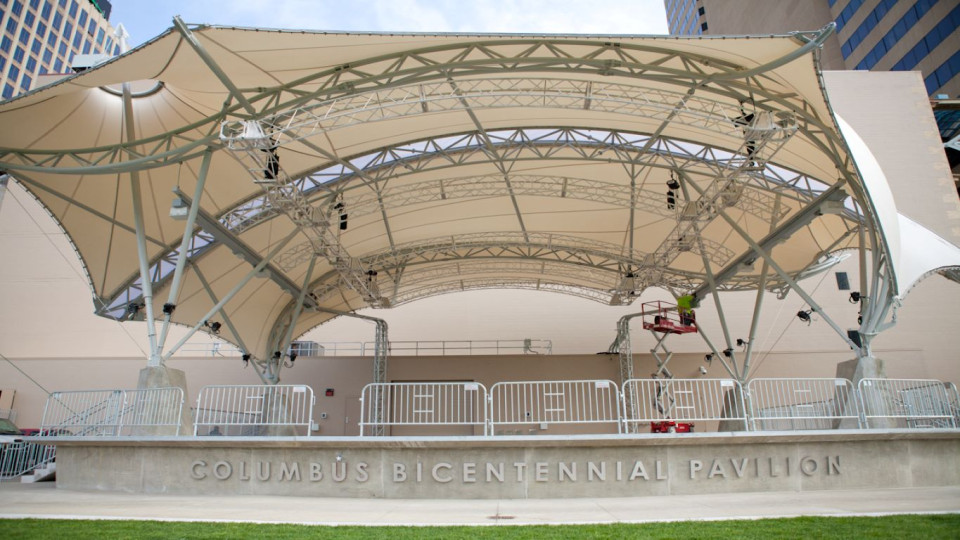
[372,170]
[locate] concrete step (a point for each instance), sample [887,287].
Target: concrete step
[43,474]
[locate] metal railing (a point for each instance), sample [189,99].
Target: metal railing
[440,348]
[112,413]
[801,404]
[254,410]
[682,400]
[424,404]
[910,403]
[20,458]
[554,402]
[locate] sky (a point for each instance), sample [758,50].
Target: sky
[145,19]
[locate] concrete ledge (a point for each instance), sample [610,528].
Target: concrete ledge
[514,467]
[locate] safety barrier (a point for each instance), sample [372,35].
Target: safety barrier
[254,410]
[801,404]
[439,348]
[113,413]
[423,404]
[910,403]
[682,400]
[19,458]
[554,402]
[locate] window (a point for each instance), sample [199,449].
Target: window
[63,49]
[45,12]
[24,36]
[58,66]
[703,26]
[17,7]
[73,9]
[57,21]
[13,73]
[37,46]
[92,27]
[43,70]
[41,29]
[76,40]
[51,39]
[29,19]
[26,82]
[83,19]
[12,25]
[47,56]
[86,47]
[34,4]
[18,54]
[843,281]
[5,44]
[3,63]
[67,31]
[701,11]
[31,65]
[7,92]
[100,35]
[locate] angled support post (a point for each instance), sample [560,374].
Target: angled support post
[229,296]
[155,359]
[223,313]
[288,337]
[761,252]
[184,246]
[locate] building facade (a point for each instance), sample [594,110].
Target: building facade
[41,37]
[881,35]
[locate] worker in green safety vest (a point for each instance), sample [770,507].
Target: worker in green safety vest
[685,305]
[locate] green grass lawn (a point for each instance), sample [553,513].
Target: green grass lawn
[909,526]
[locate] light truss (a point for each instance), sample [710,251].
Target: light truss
[327,183]
[462,285]
[259,154]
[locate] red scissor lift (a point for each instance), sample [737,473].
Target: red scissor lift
[664,317]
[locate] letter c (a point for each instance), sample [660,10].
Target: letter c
[436,469]
[194,473]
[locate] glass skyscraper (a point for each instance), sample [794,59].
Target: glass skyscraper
[895,35]
[43,36]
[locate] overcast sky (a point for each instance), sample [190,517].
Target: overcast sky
[144,19]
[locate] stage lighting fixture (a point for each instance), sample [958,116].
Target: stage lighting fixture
[854,297]
[728,352]
[804,316]
[168,308]
[708,358]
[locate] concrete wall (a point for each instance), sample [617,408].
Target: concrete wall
[515,469]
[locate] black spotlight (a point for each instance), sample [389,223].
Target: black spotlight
[246,359]
[854,297]
[276,355]
[741,343]
[804,316]
[168,308]
[293,357]
[215,327]
[708,358]
[728,352]
[673,184]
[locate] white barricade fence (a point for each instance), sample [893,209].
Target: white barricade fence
[554,402]
[423,404]
[151,411]
[19,458]
[910,403]
[254,410]
[800,404]
[683,400]
[83,413]
[113,413]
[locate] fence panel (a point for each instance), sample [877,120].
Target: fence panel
[683,400]
[910,403]
[151,411]
[801,404]
[254,410]
[83,413]
[423,404]
[19,458]
[554,402]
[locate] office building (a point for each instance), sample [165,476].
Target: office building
[41,37]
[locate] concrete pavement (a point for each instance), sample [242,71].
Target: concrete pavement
[43,500]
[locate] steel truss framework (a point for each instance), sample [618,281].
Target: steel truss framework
[490,73]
